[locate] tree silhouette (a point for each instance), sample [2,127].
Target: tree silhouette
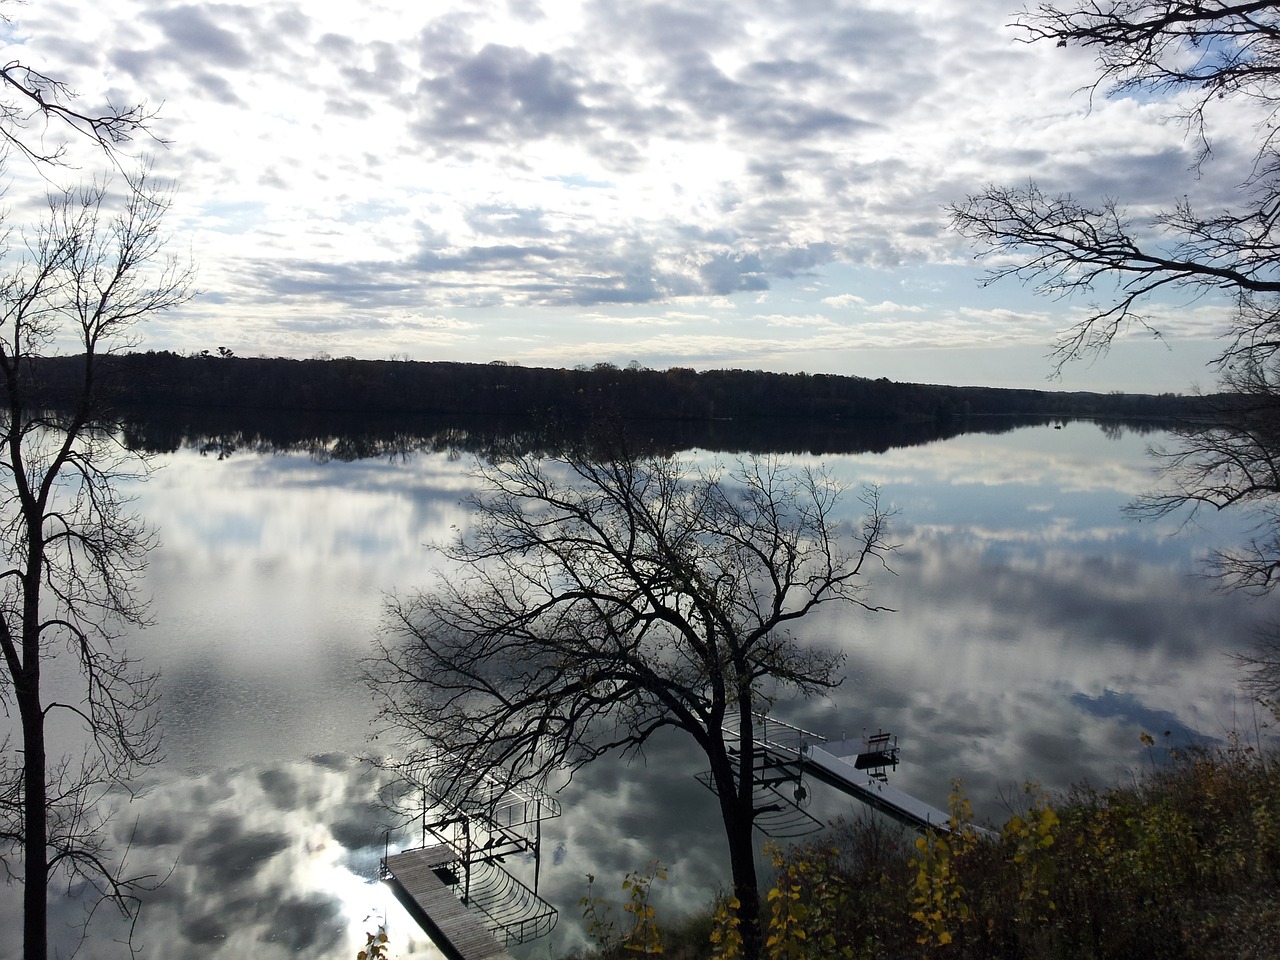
[599,597]
[71,551]
[1211,54]
[1208,52]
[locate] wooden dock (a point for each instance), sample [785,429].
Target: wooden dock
[458,932]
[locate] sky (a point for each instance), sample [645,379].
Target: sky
[756,185]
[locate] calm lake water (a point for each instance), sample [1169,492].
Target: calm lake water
[1036,634]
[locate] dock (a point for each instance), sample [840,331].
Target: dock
[458,932]
[840,772]
[789,753]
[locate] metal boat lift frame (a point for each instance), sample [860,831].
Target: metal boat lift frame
[788,753]
[467,846]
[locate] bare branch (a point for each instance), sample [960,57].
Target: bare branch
[1204,50]
[599,597]
[38,98]
[71,549]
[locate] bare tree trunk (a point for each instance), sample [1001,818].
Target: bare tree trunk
[35,811]
[740,826]
[35,825]
[742,864]
[735,787]
[35,933]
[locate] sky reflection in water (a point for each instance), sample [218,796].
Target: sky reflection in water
[1037,632]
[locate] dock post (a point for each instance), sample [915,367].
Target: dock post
[466,860]
[537,848]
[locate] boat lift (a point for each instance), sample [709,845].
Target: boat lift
[785,754]
[460,868]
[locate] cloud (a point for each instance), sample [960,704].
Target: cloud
[499,94]
[730,273]
[888,306]
[844,300]
[813,320]
[457,157]
[191,32]
[451,324]
[385,73]
[651,320]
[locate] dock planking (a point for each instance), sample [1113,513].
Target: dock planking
[456,930]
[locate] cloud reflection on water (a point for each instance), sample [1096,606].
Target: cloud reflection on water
[1036,634]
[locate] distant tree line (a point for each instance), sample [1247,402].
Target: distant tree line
[220,380]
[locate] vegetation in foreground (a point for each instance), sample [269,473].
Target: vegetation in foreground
[1183,863]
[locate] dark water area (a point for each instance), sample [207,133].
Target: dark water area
[1036,632]
[350,436]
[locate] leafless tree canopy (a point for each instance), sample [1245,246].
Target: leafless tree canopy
[1063,245]
[38,111]
[1231,462]
[1211,48]
[71,549]
[1207,52]
[597,599]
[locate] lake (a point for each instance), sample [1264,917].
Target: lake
[1036,633]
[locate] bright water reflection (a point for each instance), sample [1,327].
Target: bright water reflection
[1037,632]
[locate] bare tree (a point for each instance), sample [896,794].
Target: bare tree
[1230,461]
[37,110]
[1207,50]
[71,550]
[601,597]
[39,100]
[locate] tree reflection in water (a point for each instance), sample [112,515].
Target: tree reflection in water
[1038,633]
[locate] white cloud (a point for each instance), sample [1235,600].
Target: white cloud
[888,306]
[638,166]
[844,300]
[812,320]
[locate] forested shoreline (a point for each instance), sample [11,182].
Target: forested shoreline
[164,378]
